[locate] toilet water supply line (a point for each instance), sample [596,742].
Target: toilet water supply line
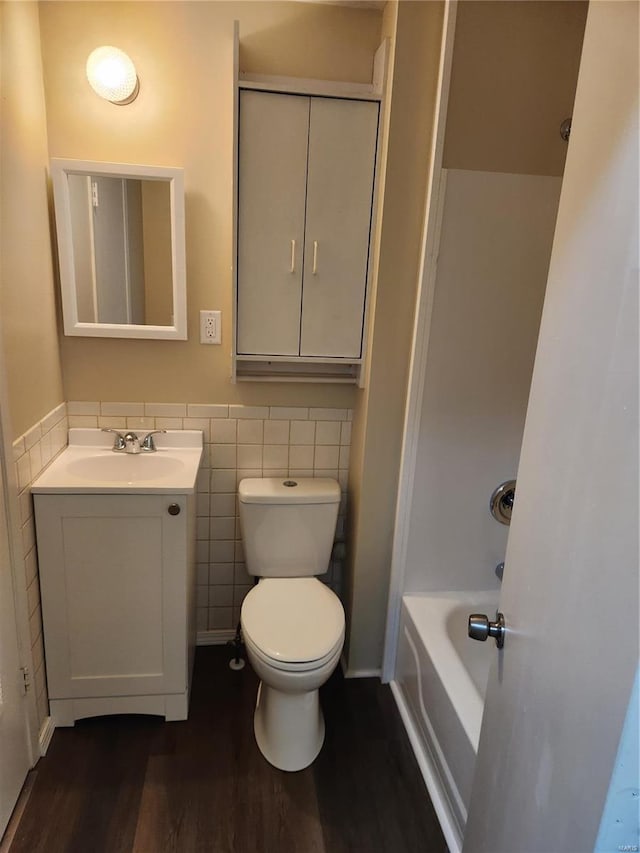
[237,661]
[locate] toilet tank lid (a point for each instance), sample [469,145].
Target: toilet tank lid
[294,490]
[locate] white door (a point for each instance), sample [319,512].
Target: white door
[81,212]
[342,154]
[14,751]
[134,241]
[110,246]
[559,690]
[272,176]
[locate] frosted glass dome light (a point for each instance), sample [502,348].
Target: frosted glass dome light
[112,75]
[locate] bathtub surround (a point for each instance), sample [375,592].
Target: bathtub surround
[475,393]
[32,452]
[240,441]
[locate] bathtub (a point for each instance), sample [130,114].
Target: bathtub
[439,686]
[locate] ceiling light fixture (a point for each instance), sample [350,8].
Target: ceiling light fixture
[112,75]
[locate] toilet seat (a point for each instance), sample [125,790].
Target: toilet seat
[290,666]
[294,624]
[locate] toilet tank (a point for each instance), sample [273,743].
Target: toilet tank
[288,525]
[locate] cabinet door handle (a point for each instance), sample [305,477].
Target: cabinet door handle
[293,256]
[314,271]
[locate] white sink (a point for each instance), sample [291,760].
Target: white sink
[124,468]
[89,465]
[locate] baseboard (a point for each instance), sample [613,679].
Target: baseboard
[363,673]
[358,673]
[215,638]
[46,733]
[430,775]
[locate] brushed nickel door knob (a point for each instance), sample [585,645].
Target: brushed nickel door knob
[480,628]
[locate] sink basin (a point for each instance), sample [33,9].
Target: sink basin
[88,465]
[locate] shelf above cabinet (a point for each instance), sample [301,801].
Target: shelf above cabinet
[300,86]
[263,369]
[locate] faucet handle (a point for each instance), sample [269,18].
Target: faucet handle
[148,443]
[119,442]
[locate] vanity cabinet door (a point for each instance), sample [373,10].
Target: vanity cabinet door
[114,586]
[342,152]
[272,174]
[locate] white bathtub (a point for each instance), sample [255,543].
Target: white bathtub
[440,684]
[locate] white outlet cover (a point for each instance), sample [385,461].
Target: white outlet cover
[210,327]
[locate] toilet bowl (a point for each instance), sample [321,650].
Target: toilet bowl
[293,629]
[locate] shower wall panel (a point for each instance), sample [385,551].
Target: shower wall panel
[495,246]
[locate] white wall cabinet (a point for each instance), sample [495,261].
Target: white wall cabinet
[118,588]
[306,170]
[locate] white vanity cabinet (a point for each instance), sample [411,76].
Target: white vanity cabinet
[117,587]
[306,169]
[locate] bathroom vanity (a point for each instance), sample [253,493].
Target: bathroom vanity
[116,549]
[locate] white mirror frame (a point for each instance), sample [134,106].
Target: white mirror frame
[60,170]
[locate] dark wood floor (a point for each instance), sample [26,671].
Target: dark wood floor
[121,784]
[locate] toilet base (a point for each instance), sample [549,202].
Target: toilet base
[289,727]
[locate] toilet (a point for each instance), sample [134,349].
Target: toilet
[292,623]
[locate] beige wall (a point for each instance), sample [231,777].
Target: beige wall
[183,117]
[379,417]
[515,67]
[27,308]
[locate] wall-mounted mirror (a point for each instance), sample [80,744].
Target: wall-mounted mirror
[121,249]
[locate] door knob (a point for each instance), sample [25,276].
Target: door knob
[480,628]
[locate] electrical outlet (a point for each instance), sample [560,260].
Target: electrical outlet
[210,327]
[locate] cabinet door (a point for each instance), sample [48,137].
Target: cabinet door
[113,577]
[342,150]
[272,165]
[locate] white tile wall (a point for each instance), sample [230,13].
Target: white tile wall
[32,452]
[240,441]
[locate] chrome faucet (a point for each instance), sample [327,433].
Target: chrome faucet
[131,443]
